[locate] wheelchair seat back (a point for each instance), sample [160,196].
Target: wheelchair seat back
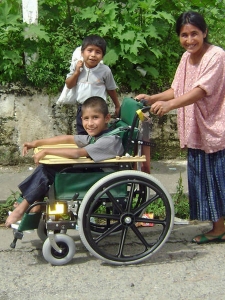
[126,126]
[128,111]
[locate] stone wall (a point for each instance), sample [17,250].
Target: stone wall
[26,114]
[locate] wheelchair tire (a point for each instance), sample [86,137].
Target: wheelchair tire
[133,242]
[66,243]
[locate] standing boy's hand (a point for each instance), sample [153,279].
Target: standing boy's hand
[72,80]
[117,111]
[79,65]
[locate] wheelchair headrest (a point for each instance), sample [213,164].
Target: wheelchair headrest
[128,110]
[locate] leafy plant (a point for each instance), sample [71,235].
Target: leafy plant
[8,206]
[181,202]
[138,34]
[157,208]
[16,39]
[133,31]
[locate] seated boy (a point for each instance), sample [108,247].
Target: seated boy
[95,118]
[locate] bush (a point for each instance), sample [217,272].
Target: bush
[138,34]
[181,202]
[8,206]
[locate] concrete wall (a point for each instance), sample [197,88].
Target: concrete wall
[26,114]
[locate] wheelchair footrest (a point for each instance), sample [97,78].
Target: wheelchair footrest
[60,225]
[18,235]
[29,221]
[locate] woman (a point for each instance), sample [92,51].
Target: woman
[198,92]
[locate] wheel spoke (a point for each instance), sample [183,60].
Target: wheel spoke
[109,231]
[140,236]
[122,242]
[130,198]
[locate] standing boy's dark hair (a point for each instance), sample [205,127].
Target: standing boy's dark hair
[95,40]
[192,18]
[96,103]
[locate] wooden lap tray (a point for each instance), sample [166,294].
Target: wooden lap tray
[53,159]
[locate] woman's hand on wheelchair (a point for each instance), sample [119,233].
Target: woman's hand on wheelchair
[144,97]
[160,108]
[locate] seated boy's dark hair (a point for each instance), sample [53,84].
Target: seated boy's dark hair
[95,40]
[96,103]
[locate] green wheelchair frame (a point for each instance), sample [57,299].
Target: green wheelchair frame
[107,202]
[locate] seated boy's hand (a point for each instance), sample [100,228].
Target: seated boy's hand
[26,147]
[38,156]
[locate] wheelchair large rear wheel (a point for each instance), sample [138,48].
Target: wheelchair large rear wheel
[128,194]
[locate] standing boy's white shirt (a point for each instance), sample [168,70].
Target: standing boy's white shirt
[68,95]
[77,54]
[92,82]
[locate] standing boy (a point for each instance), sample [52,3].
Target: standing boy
[89,77]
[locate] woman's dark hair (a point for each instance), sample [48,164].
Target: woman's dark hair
[95,40]
[192,18]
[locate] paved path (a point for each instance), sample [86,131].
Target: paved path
[179,271]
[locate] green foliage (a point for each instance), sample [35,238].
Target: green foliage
[157,208]
[16,39]
[181,202]
[133,32]
[8,206]
[138,33]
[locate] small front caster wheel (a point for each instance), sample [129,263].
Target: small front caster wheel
[64,242]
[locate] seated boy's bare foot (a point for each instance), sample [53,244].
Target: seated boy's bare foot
[13,218]
[17,213]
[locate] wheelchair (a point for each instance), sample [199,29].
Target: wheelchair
[106,202]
